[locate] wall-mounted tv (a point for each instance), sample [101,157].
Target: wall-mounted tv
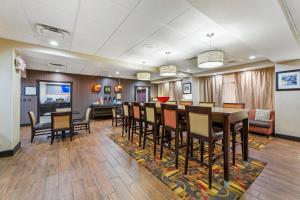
[55,89]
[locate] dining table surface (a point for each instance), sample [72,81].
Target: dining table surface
[226,116]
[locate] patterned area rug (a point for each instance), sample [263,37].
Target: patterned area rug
[195,184]
[258,141]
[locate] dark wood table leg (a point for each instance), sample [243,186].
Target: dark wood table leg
[226,149]
[245,140]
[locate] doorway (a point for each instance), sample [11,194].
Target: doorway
[142,94]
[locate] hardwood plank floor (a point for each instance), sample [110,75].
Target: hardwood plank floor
[94,167]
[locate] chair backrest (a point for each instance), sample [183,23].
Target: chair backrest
[114,112]
[125,109]
[62,109]
[87,115]
[61,121]
[207,104]
[169,116]
[32,119]
[186,103]
[199,120]
[150,112]
[171,102]
[137,112]
[234,105]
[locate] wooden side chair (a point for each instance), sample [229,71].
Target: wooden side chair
[126,120]
[171,102]
[199,125]
[206,104]
[38,128]
[152,120]
[137,121]
[116,118]
[235,128]
[61,121]
[186,103]
[170,123]
[84,123]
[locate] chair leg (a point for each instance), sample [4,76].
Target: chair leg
[123,126]
[129,127]
[181,137]
[210,164]
[192,146]
[242,143]
[89,128]
[154,140]
[144,139]
[201,150]
[186,162]
[141,132]
[32,135]
[71,135]
[233,146]
[176,148]
[52,137]
[162,143]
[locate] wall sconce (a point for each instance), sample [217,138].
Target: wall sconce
[118,88]
[96,88]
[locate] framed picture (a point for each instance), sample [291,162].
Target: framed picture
[107,89]
[288,80]
[30,91]
[186,88]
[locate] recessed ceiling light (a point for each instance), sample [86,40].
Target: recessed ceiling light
[188,70]
[210,34]
[117,72]
[252,57]
[54,43]
[57,70]
[109,76]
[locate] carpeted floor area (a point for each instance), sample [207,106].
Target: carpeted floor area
[195,184]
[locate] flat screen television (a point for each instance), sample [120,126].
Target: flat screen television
[54,89]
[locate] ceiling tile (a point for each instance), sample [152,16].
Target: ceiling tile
[75,68]
[96,22]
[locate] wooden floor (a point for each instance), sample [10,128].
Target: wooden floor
[94,167]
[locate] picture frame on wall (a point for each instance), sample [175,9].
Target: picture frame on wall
[288,80]
[107,89]
[30,91]
[186,88]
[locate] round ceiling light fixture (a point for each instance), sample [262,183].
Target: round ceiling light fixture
[168,70]
[143,76]
[211,58]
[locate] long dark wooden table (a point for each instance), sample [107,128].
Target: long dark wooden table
[227,116]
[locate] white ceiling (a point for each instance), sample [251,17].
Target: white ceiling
[133,31]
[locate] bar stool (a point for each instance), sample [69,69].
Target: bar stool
[126,120]
[171,124]
[152,120]
[137,121]
[235,129]
[199,125]
[116,117]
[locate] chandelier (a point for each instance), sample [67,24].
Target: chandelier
[168,70]
[211,58]
[143,76]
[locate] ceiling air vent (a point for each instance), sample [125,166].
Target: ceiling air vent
[55,65]
[50,31]
[231,61]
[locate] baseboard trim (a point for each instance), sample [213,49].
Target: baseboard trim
[12,152]
[287,137]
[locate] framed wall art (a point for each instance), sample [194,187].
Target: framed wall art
[288,80]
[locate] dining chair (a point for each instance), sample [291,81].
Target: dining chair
[137,121]
[206,104]
[235,129]
[186,103]
[61,121]
[126,120]
[63,110]
[38,128]
[84,123]
[170,123]
[200,126]
[153,122]
[171,102]
[116,118]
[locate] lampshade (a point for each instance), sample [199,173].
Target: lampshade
[211,59]
[168,70]
[144,76]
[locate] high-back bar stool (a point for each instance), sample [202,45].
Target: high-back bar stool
[137,121]
[126,121]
